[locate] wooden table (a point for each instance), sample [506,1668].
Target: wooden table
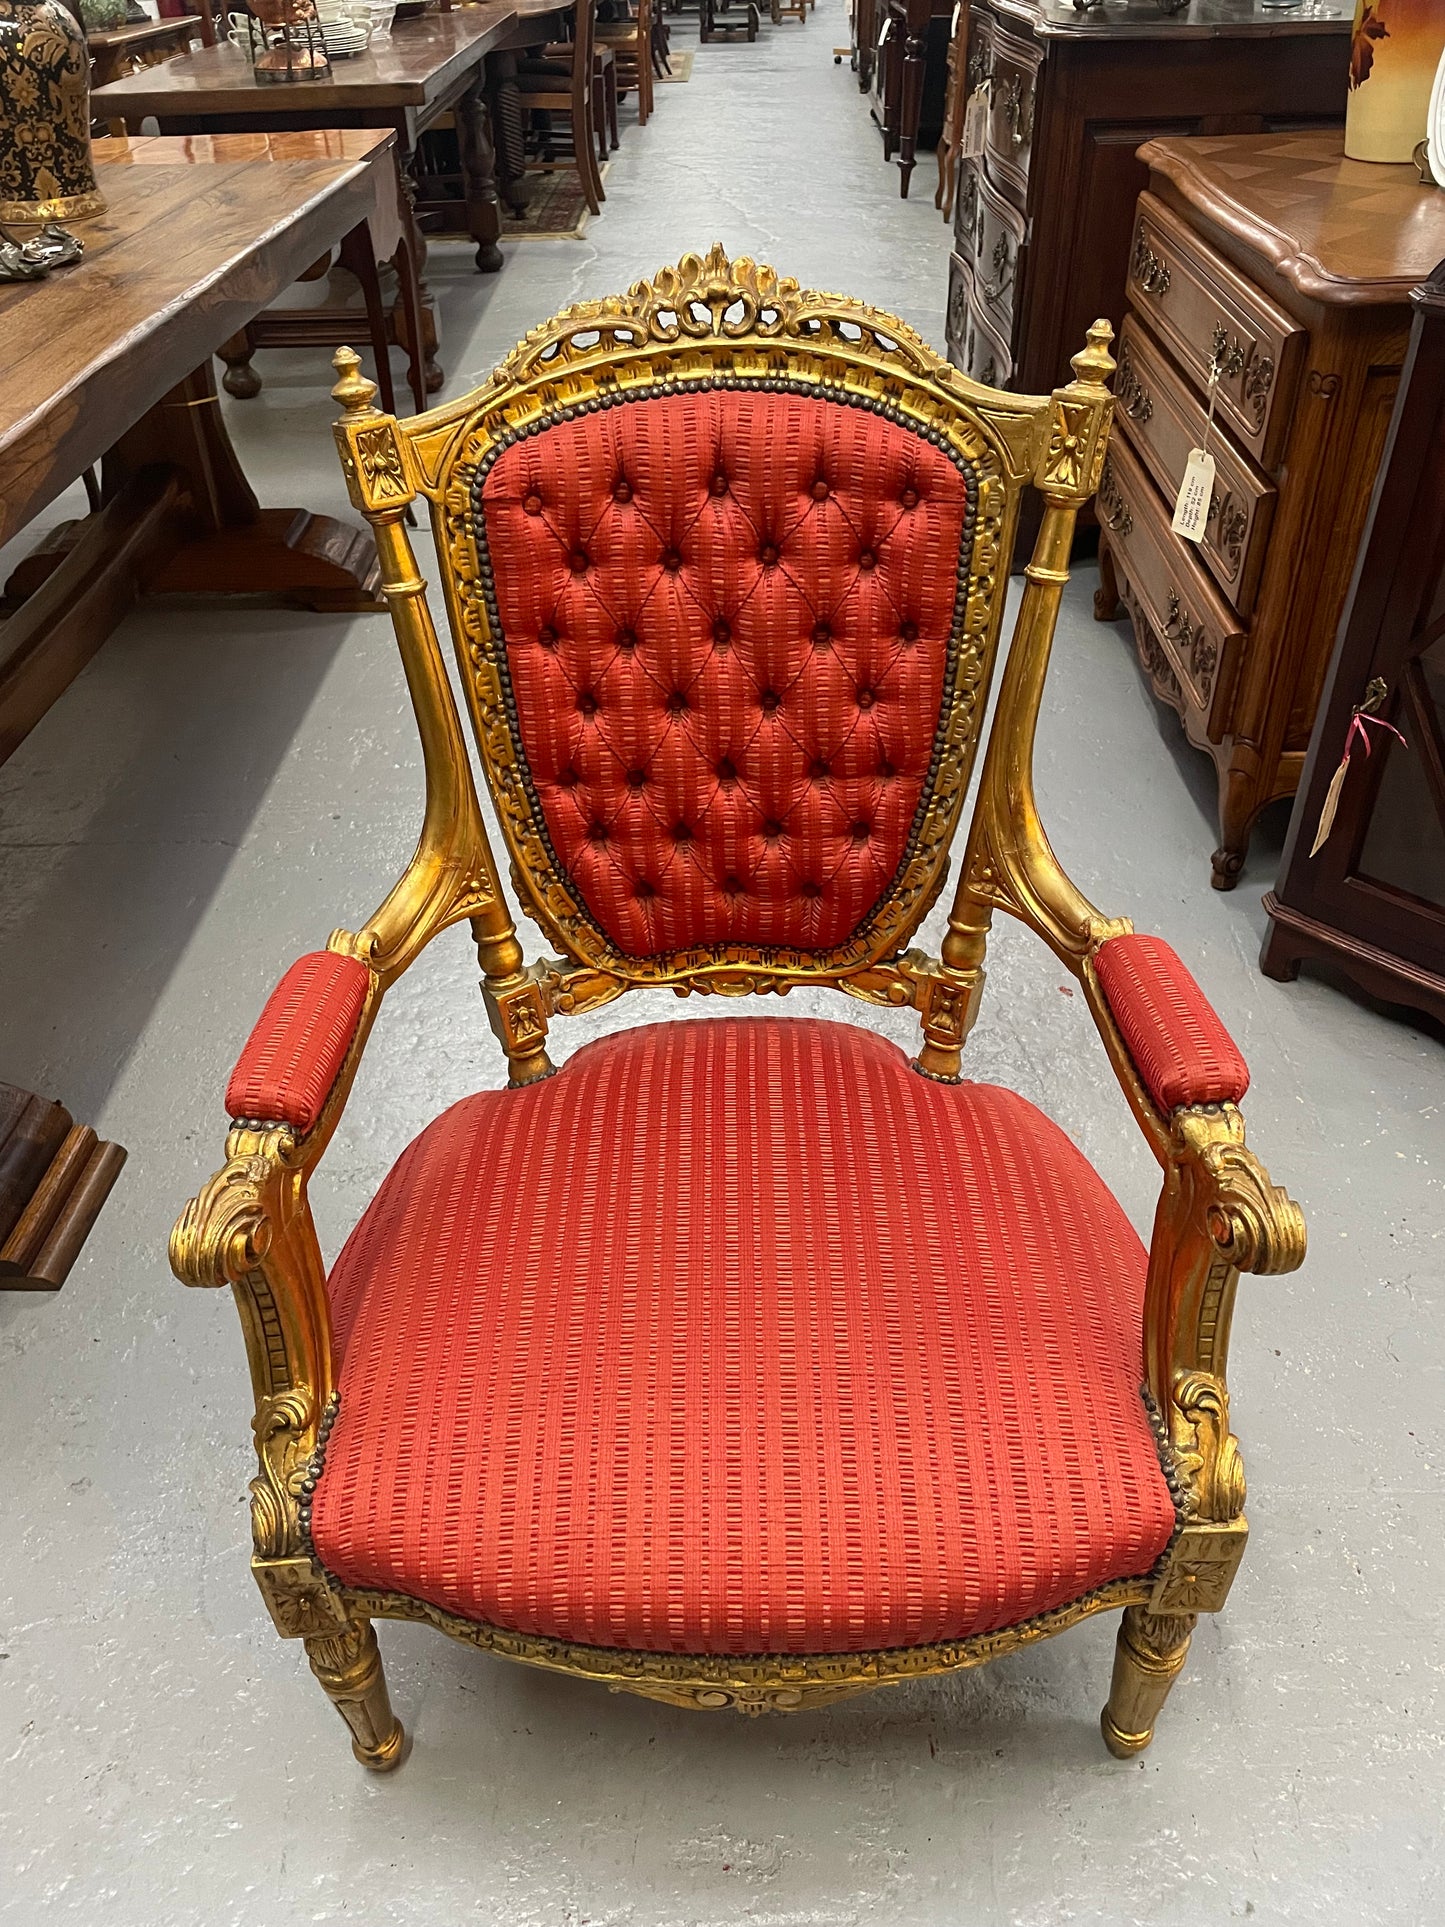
[180,260]
[426,68]
[116,51]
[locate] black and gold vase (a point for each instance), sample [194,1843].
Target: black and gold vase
[46,172]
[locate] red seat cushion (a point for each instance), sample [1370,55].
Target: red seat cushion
[737,1336]
[728,618]
[1176,1040]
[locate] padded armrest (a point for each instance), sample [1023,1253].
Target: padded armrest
[292,1057]
[1176,1041]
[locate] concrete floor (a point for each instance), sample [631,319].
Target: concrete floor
[211,797]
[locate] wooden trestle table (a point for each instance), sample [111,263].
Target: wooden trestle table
[181,259]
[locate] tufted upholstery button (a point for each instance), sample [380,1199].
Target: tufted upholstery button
[886,770]
[865,699]
[587,704]
[578,560]
[867,560]
[772,829]
[597,833]
[768,553]
[626,639]
[671,561]
[719,483]
[861,832]
[532,504]
[676,703]
[732,885]
[622,492]
[636,779]
[810,889]
[722,635]
[725,770]
[909,631]
[681,833]
[547,638]
[909,498]
[568,778]
[770,700]
[820,491]
[818,769]
[822,635]
[644,889]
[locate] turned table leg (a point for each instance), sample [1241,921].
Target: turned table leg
[479,176]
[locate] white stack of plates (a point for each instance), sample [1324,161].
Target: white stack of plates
[1435,131]
[344,30]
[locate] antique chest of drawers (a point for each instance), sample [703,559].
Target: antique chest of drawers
[1274,268]
[1043,218]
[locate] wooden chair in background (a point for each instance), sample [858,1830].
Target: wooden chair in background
[563,80]
[631,41]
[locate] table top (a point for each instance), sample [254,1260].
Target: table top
[183,256]
[142,33]
[414,63]
[1338,231]
[1200,20]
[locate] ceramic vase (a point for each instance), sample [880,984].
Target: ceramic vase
[46,172]
[1393,55]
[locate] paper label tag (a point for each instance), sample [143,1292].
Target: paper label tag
[1331,805]
[975,124]
[1196,491]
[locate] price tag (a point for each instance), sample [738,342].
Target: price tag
[1196,492]
[975,124]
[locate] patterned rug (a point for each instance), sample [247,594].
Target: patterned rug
[556,210]
[679,66]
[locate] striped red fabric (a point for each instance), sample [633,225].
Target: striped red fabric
[291,1058]
[739,1336]
[727,619]
[1176,1041]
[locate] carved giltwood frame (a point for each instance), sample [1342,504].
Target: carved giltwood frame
[711,320]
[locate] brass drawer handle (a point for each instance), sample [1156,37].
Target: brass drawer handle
[980,67]
[1018,111]
[1138,402]
[1114,511]
[1226,358]
[1149,269]
[1192,643]
[1002,262]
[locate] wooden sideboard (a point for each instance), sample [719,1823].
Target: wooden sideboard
[1371,901]
[1287,270]
[1043,219]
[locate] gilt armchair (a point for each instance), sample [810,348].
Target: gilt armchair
[748,1362]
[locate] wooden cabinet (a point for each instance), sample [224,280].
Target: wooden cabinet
[1273,264]
[1372,900]
[1071,97]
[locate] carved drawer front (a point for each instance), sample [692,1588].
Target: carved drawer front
[1188,636]
[988,358]
[1207,313]
[1010,137]
[965,208]
[960,288]
[1164,419]
[997,256]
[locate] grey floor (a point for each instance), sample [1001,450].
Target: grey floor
[218,791]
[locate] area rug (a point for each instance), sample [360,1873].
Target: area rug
[556,209]
[679,66]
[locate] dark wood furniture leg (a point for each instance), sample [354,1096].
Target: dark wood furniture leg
[479,176]
[910,102]
[505,100]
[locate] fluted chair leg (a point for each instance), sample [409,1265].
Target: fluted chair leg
[1148,1658]
[348,1665]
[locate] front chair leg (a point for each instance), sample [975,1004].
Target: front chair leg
[348,1665]
[1151,1651]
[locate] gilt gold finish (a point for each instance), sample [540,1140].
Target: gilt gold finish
[706,320]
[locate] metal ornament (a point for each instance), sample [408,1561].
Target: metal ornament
[285,41]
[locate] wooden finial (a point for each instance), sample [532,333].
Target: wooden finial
[356,394]
[1093,364]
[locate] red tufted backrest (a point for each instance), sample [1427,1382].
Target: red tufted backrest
[728,618]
